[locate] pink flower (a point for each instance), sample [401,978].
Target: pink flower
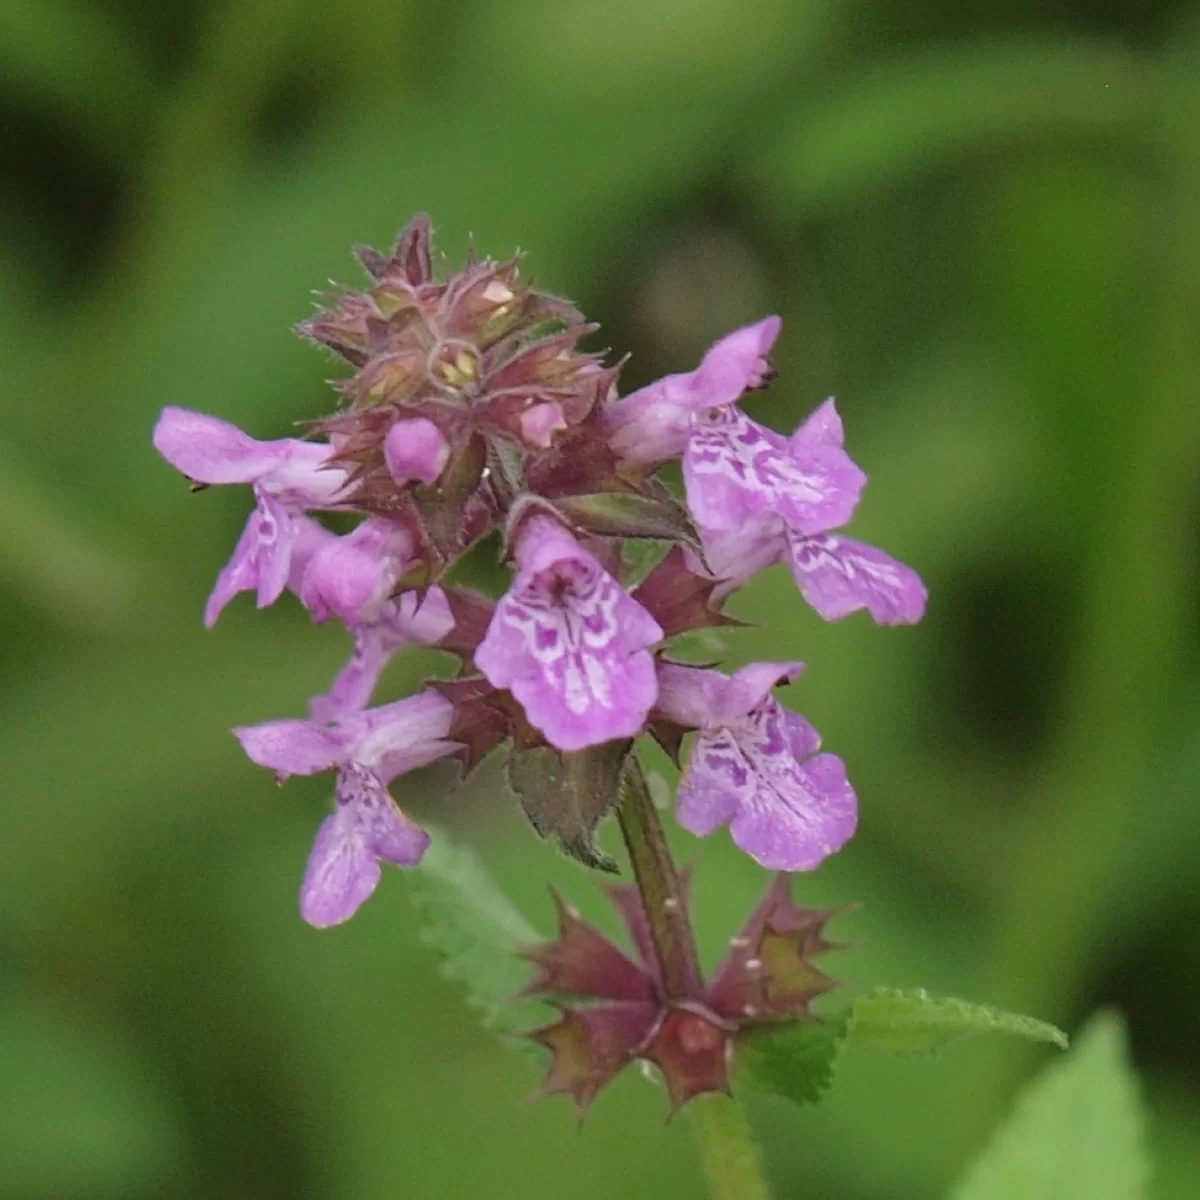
[570,644]
[353,576]
[367,750]
[747,528]
[654,423]
[755,766]
[289,478]
[411,618]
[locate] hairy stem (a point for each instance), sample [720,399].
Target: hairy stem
[660,886]
[732,1161]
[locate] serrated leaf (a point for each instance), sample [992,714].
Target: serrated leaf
[478,933]
[914,1022]
[626,514]
[565,796]
[1075,1134]
[794,1061]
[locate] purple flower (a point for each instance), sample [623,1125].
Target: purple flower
[570,644]
[653,424]
[415,449]
[755,765]
[735,470]
[410,618]
[836,575]
[289,477]
[367,750]
[354,576]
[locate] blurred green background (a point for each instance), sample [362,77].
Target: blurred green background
[983,233]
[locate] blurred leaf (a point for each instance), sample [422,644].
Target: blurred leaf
[58,565]
[71,56]
[914,1022]
[895,118]
[1076,1133]
[468,920]
[795,1061]
[81,1115]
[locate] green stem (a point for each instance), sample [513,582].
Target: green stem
[663,896]
[732,1161]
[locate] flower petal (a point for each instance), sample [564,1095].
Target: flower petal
[393,738]
[387,832]
[735,470]
[749,686]
[736,555]
[341,872]
[261,559]
[239,574]
[305,478]
[354,685]
[210,450]
[291,747]
[651,424]
[570,643]
[273,549]
[714,783]
[823,426]
[354,576]
[423,619]
[586,699]
[732,365]
[838,575]
[343,867]
[689,696]
[785,813]
[806,814]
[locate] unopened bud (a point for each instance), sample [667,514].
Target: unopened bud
[415,449]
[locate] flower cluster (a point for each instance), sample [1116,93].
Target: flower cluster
[471,410]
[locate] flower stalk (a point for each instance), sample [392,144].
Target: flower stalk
[662,890]
[732,1160]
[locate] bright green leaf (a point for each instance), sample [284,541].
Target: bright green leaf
[1076,1133]
[793,1061]
[914,1022]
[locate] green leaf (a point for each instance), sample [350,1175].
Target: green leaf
[626,514]
[565,796]
[794,1061]
[1075,1134]
[914,1022]
[479,934]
